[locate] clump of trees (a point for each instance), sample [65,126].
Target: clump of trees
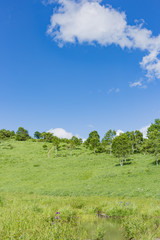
[121,146]
[6,134]
[22,134]
[152,145]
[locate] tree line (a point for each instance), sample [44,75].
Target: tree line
[121,146]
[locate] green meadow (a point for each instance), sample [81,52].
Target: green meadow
[94,196]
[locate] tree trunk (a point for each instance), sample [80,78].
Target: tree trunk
[94,150]
[70,151]
[156,159]
[132,148]
[56,150]
[111,149]
[121,162]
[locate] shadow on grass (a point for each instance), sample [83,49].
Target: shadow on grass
[154,163]
[128,162]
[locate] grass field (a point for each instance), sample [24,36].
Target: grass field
[34,187]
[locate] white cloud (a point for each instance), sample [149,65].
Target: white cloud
[61,133]
[144,131]
[119,132]
[139,84]
[135,84]
[89,21]
[115,90]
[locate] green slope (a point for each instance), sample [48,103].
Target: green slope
[27,169]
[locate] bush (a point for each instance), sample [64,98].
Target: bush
[45,147]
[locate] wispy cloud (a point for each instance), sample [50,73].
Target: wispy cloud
[113,90]
[139,84]
[90,125]
[89,21]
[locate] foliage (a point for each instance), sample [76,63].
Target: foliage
[37,135]
[153,134]
[108,138]
[93,141]
[121,147]
[48,137]
[6,134]
[22,134]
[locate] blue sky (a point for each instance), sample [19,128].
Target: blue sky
[78,76]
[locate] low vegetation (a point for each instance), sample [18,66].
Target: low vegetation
[53,188]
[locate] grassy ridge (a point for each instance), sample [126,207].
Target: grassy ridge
[26,168]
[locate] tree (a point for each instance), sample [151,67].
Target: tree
[5,134]
[146,146]
[154,126]
[22,134]
[153,134]
[136,138]
[37,135]
[121,147]
[93,140]
[47,136]
[74,141]
[56,142]
[108,138]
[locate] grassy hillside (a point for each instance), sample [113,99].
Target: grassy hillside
[97,199]
[26,168]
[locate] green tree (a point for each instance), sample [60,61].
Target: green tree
[136,138]
[153,134]
[108,138]
[146,146]
[73,142]
[121,147]
[6,134]
[93,140]
[56,142]
[37,135]
[22,134]
[154,126]
[47,136]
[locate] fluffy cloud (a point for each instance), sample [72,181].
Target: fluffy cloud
[119,132]
[144,131]
[61,133]
[89,21]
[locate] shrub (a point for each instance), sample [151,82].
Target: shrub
[45,147]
